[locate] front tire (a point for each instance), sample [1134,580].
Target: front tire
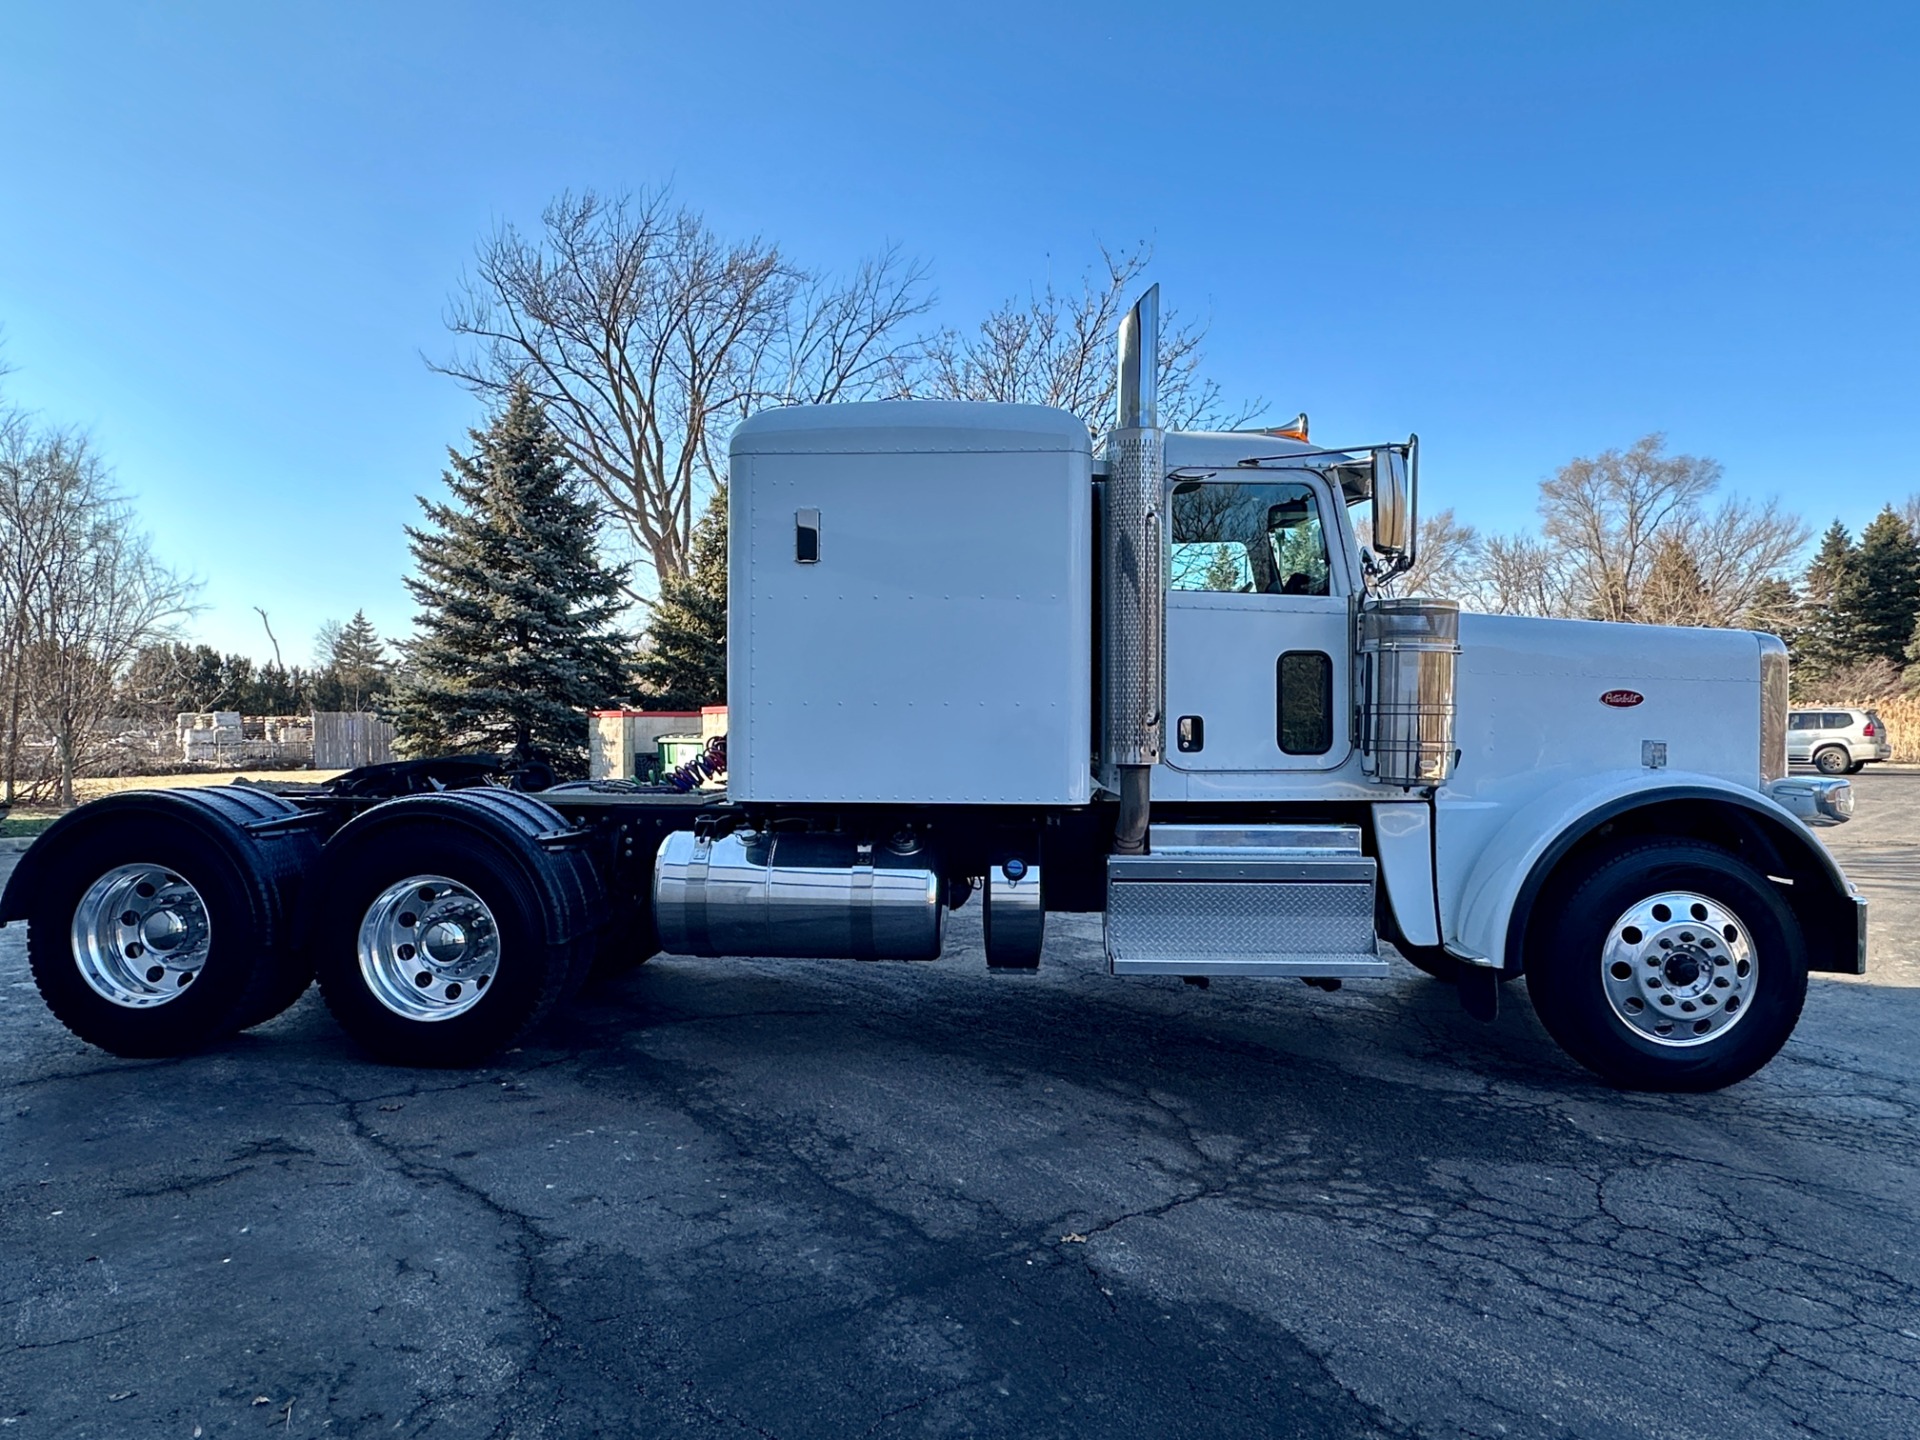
[1670,966]
[1831,760]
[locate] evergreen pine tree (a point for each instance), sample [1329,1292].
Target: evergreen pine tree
[1775,609]
[1223,570]
[684,665]
[515,635]
[355,672]
[1823,640]
[1881,593]
[1674,592]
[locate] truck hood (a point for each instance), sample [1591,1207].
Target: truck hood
[1544,699]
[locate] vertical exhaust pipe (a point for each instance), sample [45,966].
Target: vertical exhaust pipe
[1134,571]
[1140,364]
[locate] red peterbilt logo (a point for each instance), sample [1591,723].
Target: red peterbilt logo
[1622,699]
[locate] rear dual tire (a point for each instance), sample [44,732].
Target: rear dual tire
[149,938]
[433,945]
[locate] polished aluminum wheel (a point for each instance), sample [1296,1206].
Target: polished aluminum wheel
[428,948]
[140,935]
[1679,969]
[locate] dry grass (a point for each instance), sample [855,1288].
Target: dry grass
[93,789]
[1902,714]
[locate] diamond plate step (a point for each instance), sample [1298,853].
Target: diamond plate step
[1237,900]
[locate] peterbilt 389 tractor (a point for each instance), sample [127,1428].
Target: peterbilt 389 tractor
[974,656]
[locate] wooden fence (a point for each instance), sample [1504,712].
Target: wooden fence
[348,739]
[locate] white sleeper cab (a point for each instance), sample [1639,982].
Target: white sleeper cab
[975,656]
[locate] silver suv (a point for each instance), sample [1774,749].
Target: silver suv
[1836,741]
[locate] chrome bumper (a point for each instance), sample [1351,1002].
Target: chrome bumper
[1816,802]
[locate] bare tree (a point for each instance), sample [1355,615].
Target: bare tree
[84,592]
[1447,560]
[645,335]
[1607,515]
[1613,516]
[272,639]
[1740,552]
[1059,348]
[16,572]
[1521,575]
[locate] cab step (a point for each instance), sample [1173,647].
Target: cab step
[1245,900]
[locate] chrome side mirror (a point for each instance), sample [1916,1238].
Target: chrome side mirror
[1396,473]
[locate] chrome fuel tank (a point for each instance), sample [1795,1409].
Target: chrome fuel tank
[764,893]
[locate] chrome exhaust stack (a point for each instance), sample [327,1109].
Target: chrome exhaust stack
[1133,573]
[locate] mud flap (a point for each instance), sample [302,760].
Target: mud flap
[1479,990]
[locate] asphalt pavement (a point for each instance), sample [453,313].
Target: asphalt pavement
[810,1199]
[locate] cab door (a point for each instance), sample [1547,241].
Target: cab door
[1258,653]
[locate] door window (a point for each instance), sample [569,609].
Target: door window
[1303,693]
[1249,538]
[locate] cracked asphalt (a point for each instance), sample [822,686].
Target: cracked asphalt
[804,1199]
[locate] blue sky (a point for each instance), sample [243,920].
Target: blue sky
[228,232]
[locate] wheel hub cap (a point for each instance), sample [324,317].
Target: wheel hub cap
[445,943]
[1684,970]
[140,936]
[1679,968]
[428,948]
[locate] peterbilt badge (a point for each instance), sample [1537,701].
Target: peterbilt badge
[1622,699]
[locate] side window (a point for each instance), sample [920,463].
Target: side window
[1799,722]
[1839,720]
[1304,702]
[1249,539]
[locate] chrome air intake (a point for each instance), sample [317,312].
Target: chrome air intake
[1409,650]
[1133,570]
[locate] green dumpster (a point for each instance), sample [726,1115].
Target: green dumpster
[677,750]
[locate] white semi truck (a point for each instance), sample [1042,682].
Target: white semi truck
[973,655]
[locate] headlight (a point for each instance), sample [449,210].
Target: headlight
[1817,802]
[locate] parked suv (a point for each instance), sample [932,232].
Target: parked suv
[1833,741]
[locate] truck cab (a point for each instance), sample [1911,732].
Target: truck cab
[1262,563]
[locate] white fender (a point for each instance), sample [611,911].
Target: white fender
[1403,836]
[1476,914]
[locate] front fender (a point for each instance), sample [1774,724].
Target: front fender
[1486,917]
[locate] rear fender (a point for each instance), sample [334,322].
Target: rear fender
[548,851]
[271,842]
